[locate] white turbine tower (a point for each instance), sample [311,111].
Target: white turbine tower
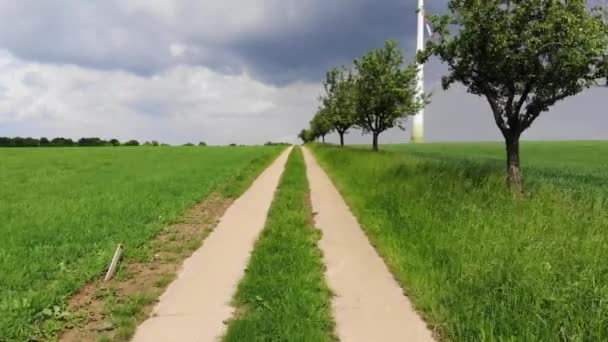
[418,130]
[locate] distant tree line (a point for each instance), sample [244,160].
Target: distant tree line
[272,143]
[65,142]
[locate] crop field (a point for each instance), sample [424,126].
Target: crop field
[63,210]
[479,262]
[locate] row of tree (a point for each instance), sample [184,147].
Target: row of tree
[61,142]
[522,56]
[375,94]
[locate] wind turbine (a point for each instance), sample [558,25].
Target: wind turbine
[418,130]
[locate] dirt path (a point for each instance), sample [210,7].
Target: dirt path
[369,304]
[197,303]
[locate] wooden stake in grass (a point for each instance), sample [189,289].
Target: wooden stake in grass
[114,263]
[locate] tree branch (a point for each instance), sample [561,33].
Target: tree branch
[500,122]
[523,98]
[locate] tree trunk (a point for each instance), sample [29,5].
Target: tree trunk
[513,173]
[323,138]
[375,141]
[341,139]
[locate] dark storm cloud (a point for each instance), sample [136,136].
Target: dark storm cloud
[332,35]
[330,40]
[292,41]
[92,34]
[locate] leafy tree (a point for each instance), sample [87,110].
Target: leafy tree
[132,143]
[523,56]
[386,93]
[44,141]
[306,135]
[25,142]
[60,141]
[91,142]
[188,144]
[114,142]
[339,100]
[202,143]
[321,124]
[19,142]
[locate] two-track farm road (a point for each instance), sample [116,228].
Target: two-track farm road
[368,305]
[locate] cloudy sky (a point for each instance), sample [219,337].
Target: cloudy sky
[243,71]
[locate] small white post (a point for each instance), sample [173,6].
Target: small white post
[114,263]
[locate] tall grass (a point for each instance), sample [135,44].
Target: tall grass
[478,262]
[283,296]
[62,212]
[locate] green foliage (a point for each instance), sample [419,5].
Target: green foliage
[283,296]
[91,142]
[202,143]
[62,142]
[306,135]
[386,93]
[478,262]
[321,124]
[378,95]
[19,142]
[340,100]
[64,210]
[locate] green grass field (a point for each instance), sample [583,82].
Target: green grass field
[573,163]
[480,263]
[283,296]
[63,210]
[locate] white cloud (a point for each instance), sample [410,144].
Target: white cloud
[177,50]
[183,103]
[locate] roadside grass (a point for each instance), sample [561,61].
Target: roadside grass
[63,210]
[111,311]
[479,263]
[283,296]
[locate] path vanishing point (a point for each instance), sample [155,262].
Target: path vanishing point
[368,304]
